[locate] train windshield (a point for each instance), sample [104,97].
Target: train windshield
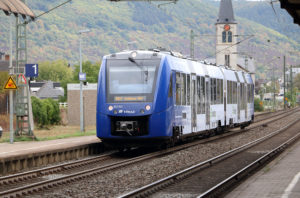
[131,80]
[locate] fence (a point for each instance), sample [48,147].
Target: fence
[63,105]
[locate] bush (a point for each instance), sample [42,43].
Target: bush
[45,111]
[258,105]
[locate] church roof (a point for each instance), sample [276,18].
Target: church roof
[226,12]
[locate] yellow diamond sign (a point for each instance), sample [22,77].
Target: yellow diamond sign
[10,84]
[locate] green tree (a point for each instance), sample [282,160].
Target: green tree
[297,81]
[3,78]
[258,105]
[39,112]
[57,71]
[45,111]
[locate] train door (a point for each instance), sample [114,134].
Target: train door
[239,101]
[194,103]
[207,101]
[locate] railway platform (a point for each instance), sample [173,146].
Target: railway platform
[279,179]
[23,155]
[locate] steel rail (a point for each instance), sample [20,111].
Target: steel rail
[217,189]
[58,168]
[10,179]
[151,188]
[273,114]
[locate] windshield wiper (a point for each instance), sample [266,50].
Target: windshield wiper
[145,71]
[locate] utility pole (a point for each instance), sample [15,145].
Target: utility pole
[192,45]
[284,84]
[273,80]
[11,100]
[82,127]
[291,79]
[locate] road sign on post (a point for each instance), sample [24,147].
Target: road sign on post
[10,84]
[82,76]
[31,70]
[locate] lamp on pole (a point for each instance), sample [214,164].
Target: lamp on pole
[81,78]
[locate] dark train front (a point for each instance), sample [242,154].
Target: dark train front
[133,104]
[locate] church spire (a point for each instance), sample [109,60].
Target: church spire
[226,12]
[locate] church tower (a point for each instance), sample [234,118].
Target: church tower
[226,31]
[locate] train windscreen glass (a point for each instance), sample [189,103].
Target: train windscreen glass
[131,80]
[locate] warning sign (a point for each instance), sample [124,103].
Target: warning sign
[22,79]
[10,84]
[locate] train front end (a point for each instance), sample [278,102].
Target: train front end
[128,113]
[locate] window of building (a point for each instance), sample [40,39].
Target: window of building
[229,37]
[224,35]
[227,60]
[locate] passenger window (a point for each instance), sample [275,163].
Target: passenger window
[212,91]
[199,96]
[188,90]
[229,92]
[203,94]
[222,91]
[178,89]
[218,91]
[170,86]
[215,91]
[184,90]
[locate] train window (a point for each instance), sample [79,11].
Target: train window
[178,89]
[198,95]
[222,91]
[217,92]
[229,92]
[211,91]
[170,86]
[183,90]
[203,95]
[188,93]
[234,93]
[241,95]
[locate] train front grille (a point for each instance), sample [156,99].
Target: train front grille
[129,126]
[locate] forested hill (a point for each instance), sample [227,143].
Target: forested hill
[54,36]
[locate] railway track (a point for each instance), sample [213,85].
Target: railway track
[217,175]
[37,180]
[267,115]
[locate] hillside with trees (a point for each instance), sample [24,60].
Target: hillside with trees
[114,24]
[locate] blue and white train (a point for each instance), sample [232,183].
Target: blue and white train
[152,98]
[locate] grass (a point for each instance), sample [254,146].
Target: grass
[52,133]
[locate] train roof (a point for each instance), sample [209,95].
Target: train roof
[179,63]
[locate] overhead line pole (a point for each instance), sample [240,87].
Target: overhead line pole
[284,84]
[11,101]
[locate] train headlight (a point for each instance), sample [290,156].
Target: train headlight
[133,54]
[148,107]
[110,108]
[142,111]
